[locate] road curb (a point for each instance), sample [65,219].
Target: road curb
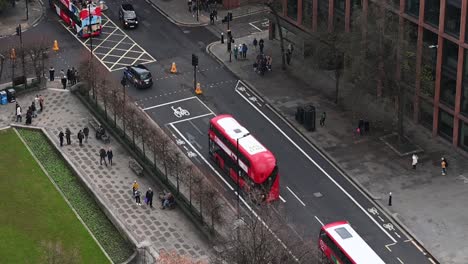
[33,24]
[373,198]
[172,20]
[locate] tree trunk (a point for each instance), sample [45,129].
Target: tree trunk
[280,32]
[337,84]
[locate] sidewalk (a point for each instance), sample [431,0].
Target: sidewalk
[161,229]
[430,205]
[14,16]
[177,12]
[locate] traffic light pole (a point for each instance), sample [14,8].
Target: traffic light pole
[194,77]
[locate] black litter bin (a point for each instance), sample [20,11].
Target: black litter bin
[300,114]
[309,118]
[11,95]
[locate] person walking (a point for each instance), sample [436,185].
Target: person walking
[189,3]
[290,48]
[255,43]
[322,119]
[51,74]
[110,155]
[61,135]
[64,79]
[211,18]
[414,161]
[137,197]
[80,137]
[244,50]
[215,14]
[288,57]
[444,165]
[68,136]
[261,45]
[73,78]
[236,51]
[19,118]
[149,197]
[86,133]
[135,186]
[36,101]
[69,76]
[41,102]
[103,154]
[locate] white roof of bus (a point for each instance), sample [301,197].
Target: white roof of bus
[234,130]
[354,245]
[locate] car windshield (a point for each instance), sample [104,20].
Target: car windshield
[130,14]
[145,75]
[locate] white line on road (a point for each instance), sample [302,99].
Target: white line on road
[431,260]
[191,118]
[319,220]
[416,245]
[282,199]
[176,101]
[203,103]
[287,187]
[400,261]
[257,28]
[232,189]
[313,161]
[381,219]
[389,245]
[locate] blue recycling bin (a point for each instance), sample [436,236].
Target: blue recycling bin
[3,98]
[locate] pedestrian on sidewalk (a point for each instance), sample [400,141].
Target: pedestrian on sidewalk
[77,77]
[444,165]
[211,18]
[244,50]
[34,109]
[103,154]
[189,3]
[415,161]
[72,74]
[135,186]
[288,57]
[86,133]
[36,101]
[41,102]
[29,116]
[215,14]
[236,51]
[290,48]
[61,135]
[68,136]
[322,119]
[51,74]
[137,197]
[80,137]
[255,43]
[64,79]
[149,197]
[69,76]
[19,118]
[110,155]
[261,45]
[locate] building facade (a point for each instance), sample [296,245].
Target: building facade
[437,84]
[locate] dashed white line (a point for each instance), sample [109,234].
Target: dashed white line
[381,219]
[318,220]
[191,118]
[172,102]
[313,161]
[418,247]
[400,261]
[287,187]
[389,245]
[396,234]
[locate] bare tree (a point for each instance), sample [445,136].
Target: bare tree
[36,50]
[213,205]
[272,5]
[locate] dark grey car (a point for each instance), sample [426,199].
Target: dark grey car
[127,16]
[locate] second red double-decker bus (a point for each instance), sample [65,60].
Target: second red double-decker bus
[340,244]
[256,164]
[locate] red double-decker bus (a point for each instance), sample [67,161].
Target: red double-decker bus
[339,243]
[84,18]
[256,165]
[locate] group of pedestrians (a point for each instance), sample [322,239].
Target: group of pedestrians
[32,110]
[81,135]
[240,51]
[103,154]
[71,77]
[137,195]
[443,163]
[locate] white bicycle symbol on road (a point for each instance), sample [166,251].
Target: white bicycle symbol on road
[180,112]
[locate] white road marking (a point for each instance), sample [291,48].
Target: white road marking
[114,47]
[257,28]
[232,189]
[315,163]
[172,102]
[389,245]
[287,187]
[105,39]
[188,119]
[431,260]
[416,245]
[319,220]
[282,199]
[400,261]
[203,103]
[121,57]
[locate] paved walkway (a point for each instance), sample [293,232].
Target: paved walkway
[11,18]
[177,12]
[432,206]
[162,229]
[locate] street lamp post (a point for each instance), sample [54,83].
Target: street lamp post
[238,174]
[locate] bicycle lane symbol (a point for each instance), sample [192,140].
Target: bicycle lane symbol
[179,112]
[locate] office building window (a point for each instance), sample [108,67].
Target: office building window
[412,7]
[307,13]
[356,11]
[445,125]
[463,139]
[429,60]
[409,55]
[322,13]
[432,10]
[426,114]
[464,93]
[292,9]
[452,17]
[448,82]
[339,15]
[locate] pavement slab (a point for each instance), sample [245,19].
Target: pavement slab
[163,229]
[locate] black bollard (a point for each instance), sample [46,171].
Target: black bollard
[390,199]
[222,38]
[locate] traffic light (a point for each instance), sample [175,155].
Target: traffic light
[194,60]
[18,30]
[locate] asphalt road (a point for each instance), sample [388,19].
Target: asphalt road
[313,191]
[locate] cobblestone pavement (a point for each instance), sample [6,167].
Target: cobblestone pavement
[163,229]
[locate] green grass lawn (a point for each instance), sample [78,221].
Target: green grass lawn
[33,212]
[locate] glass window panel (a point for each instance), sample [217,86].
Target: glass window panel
[429,60]
[452,17]
[322,19]
[445,125]
[356,8]
[412,7]
[292,9]
[426,114]
[450,55]
[409,53]
[464,93]
[432,10]
[307,13]
[448,84]
[463,139]
[448,81]
[339,15]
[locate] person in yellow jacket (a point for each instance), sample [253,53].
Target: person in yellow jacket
[135,186]
[444,165]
